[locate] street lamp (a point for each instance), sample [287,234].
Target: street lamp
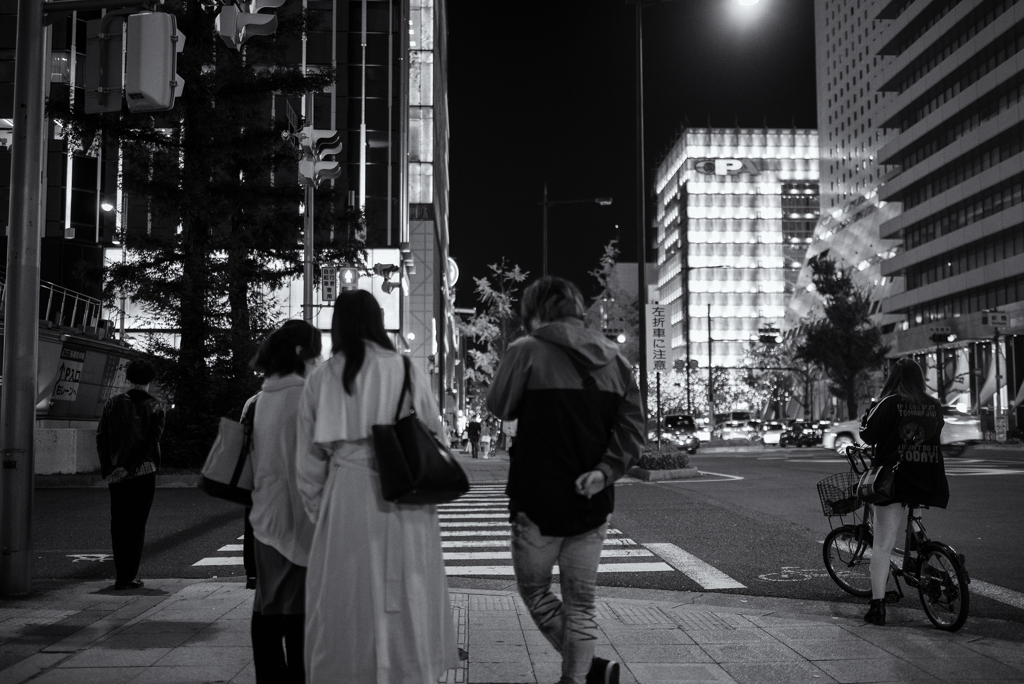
[600,201]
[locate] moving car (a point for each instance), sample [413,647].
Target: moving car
[680,430]
[771,432]
[733,429]
[960,428]
[799,433]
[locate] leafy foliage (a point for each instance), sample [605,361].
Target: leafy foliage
[493,328]
[615,307]
[844,344]
[667,458]
[774,373]
[220,187]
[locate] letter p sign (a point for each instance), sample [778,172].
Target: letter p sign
[727,167]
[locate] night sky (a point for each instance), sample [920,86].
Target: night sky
[545,90]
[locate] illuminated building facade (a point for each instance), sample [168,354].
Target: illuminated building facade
[849,110]
[736,210]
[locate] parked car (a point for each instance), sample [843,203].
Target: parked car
[959,429]
[680,430]
[771,432]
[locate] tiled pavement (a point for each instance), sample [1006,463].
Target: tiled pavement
[194,631]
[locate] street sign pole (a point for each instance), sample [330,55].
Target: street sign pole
[21,313]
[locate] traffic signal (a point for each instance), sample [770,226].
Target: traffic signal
[239,22]
[349,277]
[317,145]
[941,334]
[151,82]
[769,335]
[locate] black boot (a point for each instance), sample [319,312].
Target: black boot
[876,612]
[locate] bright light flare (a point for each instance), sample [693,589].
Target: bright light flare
[747,3]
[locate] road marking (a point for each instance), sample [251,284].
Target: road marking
[507,555]
[506,570]
[1001,594]
[90,557]
[700,572]
[475,524]
[694,480]
[222,560]
[470,515]
[230,547]
[504,541]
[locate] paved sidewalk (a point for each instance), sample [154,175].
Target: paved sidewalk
[197,631]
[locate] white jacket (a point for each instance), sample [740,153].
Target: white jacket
[277,517]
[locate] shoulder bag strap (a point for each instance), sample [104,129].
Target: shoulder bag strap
[406,387]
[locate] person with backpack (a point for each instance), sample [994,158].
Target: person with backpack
[128,444]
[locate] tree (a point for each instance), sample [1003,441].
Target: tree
[774,372]
[220,188]
[844,344]
[615,307]
[493,328]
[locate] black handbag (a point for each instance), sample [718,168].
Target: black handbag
[877,483]
[414,466]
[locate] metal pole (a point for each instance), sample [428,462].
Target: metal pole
[711,390]
[658,377]
[999,382]
[21,314]
[641,230]
[307,260]
[544,238]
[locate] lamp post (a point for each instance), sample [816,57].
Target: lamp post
[601,201]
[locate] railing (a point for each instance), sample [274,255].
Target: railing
[60,305]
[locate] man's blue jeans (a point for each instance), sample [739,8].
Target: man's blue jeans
[570,624]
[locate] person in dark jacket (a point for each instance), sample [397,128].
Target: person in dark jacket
[904,427]
[580,427]
[128,443]
[473,431]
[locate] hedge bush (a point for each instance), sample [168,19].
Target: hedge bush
[669,458]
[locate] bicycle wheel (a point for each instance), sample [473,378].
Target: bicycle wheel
[847,555]
[943,589]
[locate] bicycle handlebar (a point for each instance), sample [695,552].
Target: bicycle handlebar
[858,456]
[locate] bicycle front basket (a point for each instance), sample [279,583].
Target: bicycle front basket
[839,494]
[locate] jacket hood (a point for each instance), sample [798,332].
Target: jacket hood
[590,347]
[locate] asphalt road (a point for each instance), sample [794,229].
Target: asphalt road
[754,517]
[765,529]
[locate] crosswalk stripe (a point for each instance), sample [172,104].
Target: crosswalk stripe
[223,560]
[504,541]
[230,547]
[506,570]
[470,516]
[507,555]
[474,524]
[700,572]
[476,533]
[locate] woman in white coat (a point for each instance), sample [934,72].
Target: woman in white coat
[282,532]
[377,605]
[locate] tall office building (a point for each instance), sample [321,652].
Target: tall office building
[919,112]
[849,102]
[736,209]
[956,77]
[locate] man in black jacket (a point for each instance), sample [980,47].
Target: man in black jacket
[580,428]
[128,443]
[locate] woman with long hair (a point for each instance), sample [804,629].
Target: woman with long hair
[282,534]
[904,427]
[377,605]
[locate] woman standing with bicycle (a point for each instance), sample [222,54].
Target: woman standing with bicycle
[904,427]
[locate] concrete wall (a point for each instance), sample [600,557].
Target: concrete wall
[66,450]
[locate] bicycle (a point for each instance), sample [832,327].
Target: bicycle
[932,567]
